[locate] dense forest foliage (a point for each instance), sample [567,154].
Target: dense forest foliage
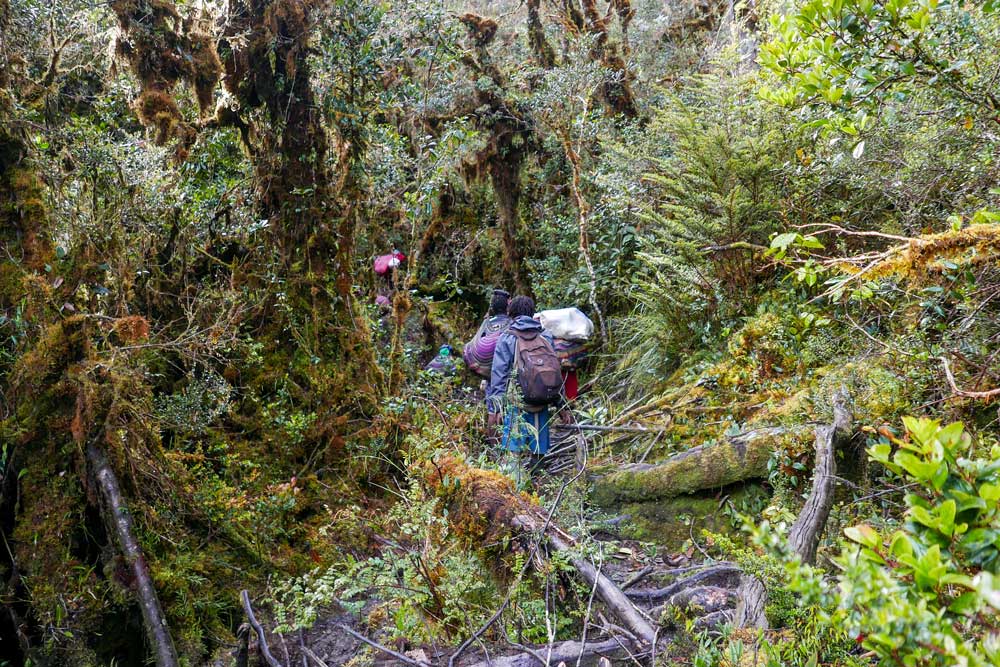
[219,444]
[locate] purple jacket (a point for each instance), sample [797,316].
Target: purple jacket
[503,361]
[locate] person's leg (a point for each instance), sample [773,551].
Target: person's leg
[513,430]
[539,432]
[571,384]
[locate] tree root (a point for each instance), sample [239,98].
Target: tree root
[265,650]
[570,652]
[716,575]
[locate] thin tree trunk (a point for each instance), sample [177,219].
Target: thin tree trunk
[583,211]
[119,523]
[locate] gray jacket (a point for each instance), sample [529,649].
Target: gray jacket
[503,361]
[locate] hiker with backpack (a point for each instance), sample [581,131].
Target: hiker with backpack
[478,352]
[525,382]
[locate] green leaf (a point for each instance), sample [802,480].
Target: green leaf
[901,545]
[809,242]
[965,604]
[782,241]
[923,471]
[946,517]
[863,534]
[990,492]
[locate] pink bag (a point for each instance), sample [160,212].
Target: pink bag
[385,262]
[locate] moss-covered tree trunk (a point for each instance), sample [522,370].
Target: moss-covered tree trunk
[509,139]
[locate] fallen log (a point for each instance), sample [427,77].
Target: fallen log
[719,575]
[711,466]
[614,599]
[119,523]
[804,536]
[484,505]
[569,652]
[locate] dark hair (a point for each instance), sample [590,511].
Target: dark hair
[521,305]
[498,304]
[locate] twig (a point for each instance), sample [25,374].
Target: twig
[303,648]
[962,392]
[309,653]
[388,651]
[824,227]
[636,578]
[532,652]
[586,618]
[264,648]
[875,340]
[642,459]
[616,429]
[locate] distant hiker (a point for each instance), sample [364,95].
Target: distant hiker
[385,264]
[443,363]
[478,352]
[385,267]
[524,354]
[571,331]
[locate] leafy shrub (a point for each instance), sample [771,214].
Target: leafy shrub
[926,592]
[712,206]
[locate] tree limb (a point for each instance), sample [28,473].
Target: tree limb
[962,392]
[119,522]
[265,650]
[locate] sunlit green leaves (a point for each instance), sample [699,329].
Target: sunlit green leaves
[911,597]
[852,56]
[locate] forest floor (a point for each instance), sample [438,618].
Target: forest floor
[657,562]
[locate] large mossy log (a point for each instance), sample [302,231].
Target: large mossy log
[709,466]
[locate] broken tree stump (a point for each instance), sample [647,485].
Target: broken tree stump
[803,539]
[808,527]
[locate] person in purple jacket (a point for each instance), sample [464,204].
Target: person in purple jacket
[523,429]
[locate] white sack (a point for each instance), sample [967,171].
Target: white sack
[566,323]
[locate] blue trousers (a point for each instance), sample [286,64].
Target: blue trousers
[526,430]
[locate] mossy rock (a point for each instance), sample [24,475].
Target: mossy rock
[671,522]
